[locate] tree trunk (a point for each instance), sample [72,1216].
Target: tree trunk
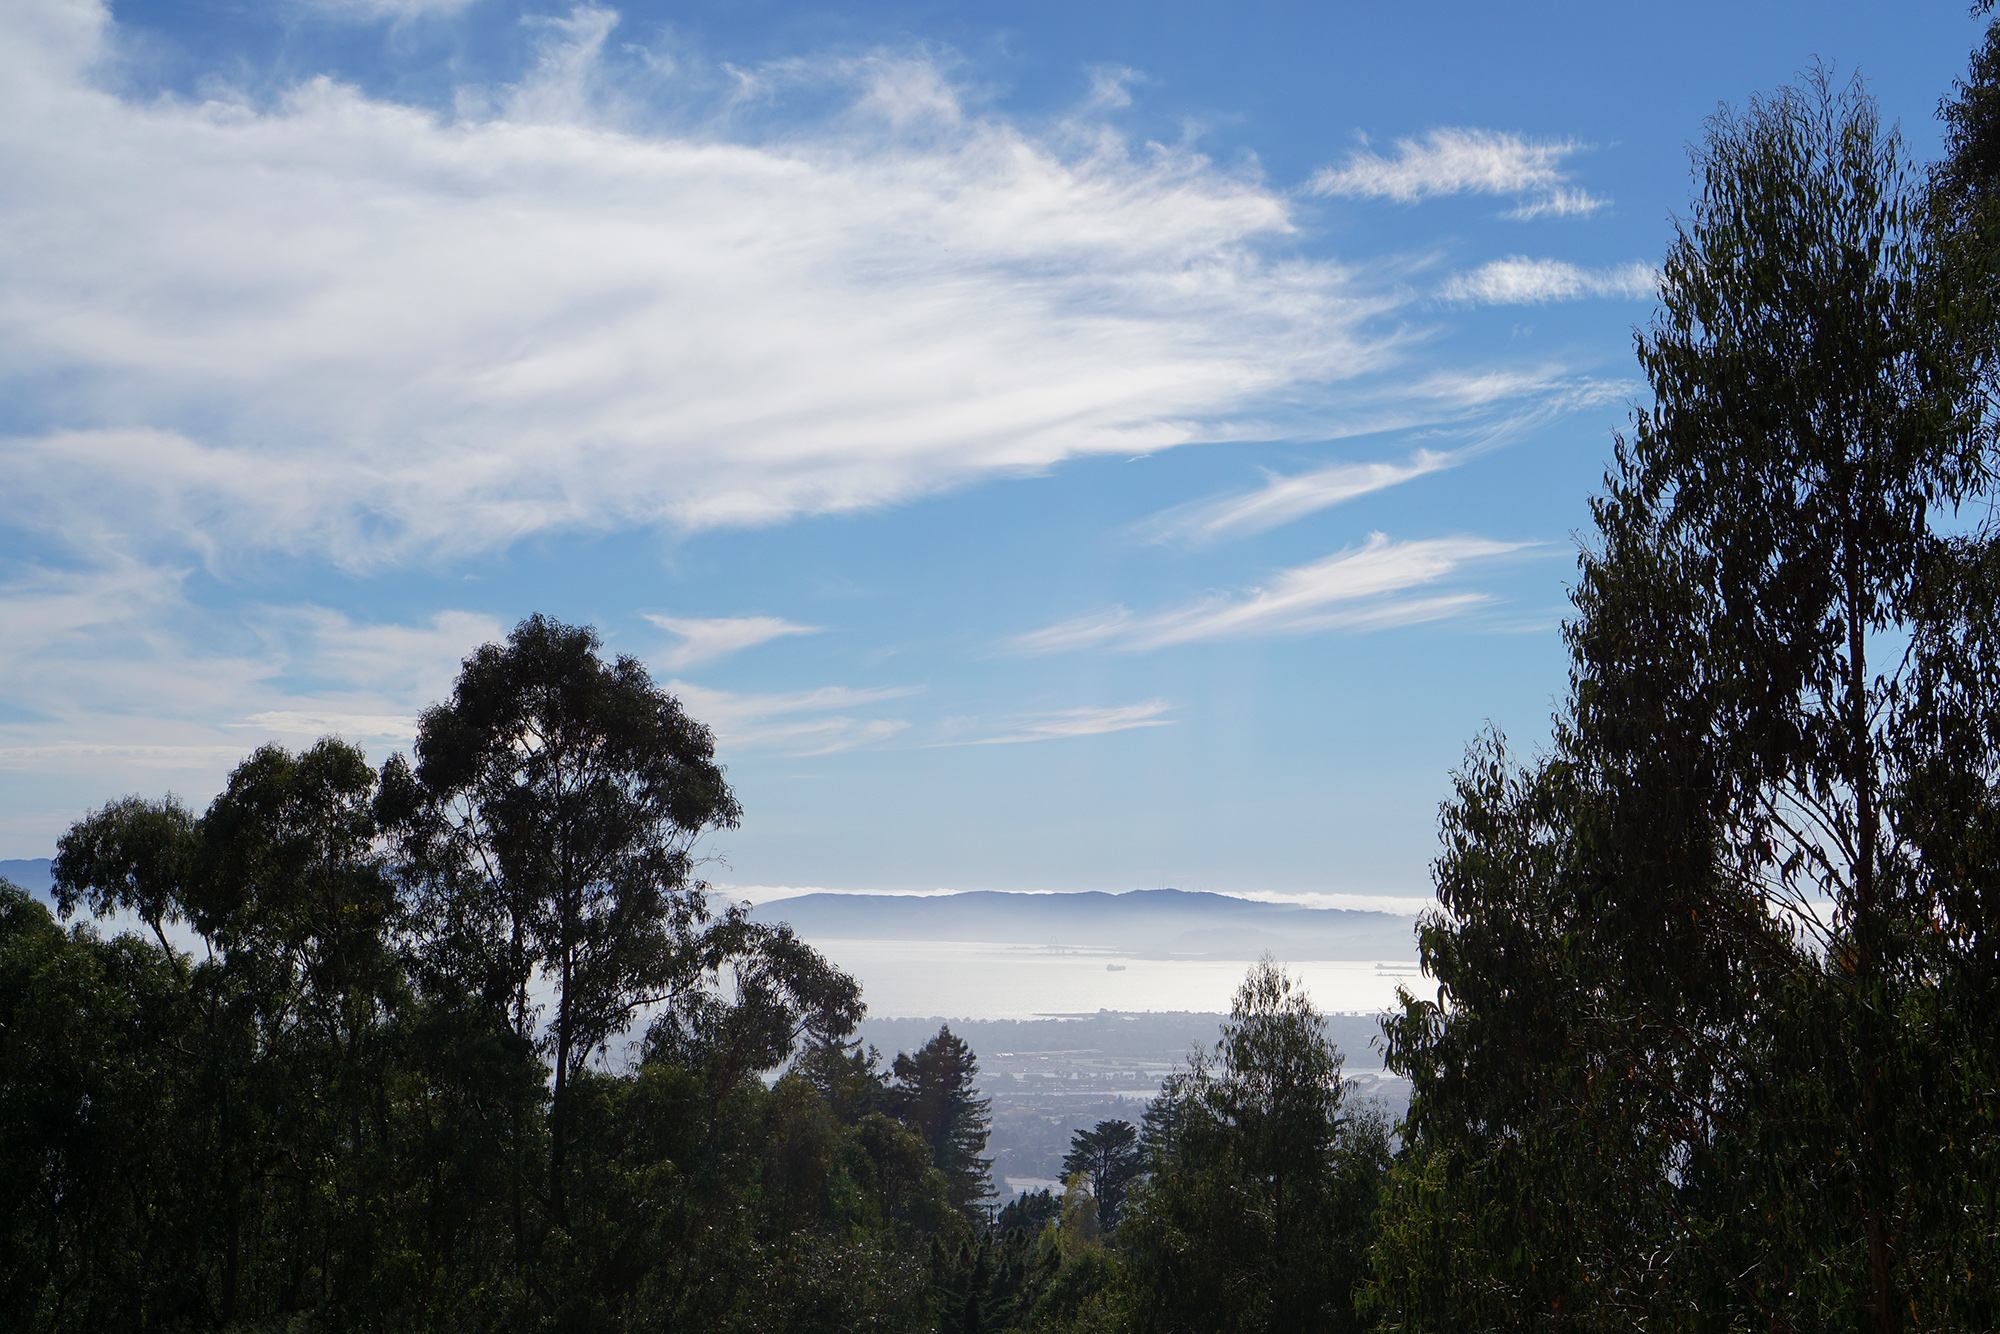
[1867,971]
[559,1109]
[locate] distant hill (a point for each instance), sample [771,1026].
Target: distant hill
[1153,923]
[32,876]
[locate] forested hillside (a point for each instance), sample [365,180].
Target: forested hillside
[1714,1042]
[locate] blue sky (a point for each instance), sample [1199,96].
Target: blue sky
[1055,446]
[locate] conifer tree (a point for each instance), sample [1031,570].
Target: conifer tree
[935,1093]
[1107,1153]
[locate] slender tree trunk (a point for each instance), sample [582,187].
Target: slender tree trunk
[559,1111]
[232,1243]
[1867,973]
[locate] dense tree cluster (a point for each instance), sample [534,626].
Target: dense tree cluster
[1715,1043]
[1245,1202]
[367,1097]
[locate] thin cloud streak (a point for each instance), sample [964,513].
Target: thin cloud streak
[151,757]
[1518,280]
[1285,497]
[1065,723]
[802,722]
[1351,590]
[1449,161]
[705,640]
[373,11]
[396,728]
[1541,398]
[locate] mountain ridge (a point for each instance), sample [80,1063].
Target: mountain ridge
[1162,923]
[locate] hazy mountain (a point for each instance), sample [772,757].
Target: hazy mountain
[1156,923]
[32,876]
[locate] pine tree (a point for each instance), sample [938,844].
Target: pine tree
[1108,1154]
[933,1091]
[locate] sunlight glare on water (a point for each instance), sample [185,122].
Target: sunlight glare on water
[957,979]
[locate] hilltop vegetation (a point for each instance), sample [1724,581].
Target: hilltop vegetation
[1714,1047]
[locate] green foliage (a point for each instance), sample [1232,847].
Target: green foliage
[933,1091]
[96,1161]
[1108,1154]
[1690,1065]
[341,1112]
[552,810]
[1965,185]
[1258,1209]
[1027,1212]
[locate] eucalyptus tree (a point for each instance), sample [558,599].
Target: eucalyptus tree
[1674,1073]
[134,855]
[281,1046]
[550,821]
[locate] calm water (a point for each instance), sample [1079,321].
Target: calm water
[955,979]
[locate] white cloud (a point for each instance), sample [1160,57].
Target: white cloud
[135,756]
[413,663]
[1404,905]
[117,663]
[1284,498]
[804,722]
[705,640]
[1352,590]
[1465,161]
[1557,204]
[345,327]
[1493,409]
[1096,721]
[772,893]
[1518,280]
[397,728]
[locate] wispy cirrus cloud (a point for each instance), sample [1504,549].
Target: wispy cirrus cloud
[1089,721]
[1449,161]
[1491,410]
[367,331]
[116,680]
[706,639]
[801,722]
[1367,588]
[395,728]
[1518,280]
[119,658]
[1285,497]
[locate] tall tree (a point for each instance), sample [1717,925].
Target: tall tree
[934,1091]
[1107,1153]
[554,807]
[1680,955]
[1965,183]
[284,1021]
[1257,1208]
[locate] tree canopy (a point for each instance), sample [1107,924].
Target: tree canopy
[1694,1056]
[349,1108]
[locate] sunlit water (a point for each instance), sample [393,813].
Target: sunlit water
[960,980]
